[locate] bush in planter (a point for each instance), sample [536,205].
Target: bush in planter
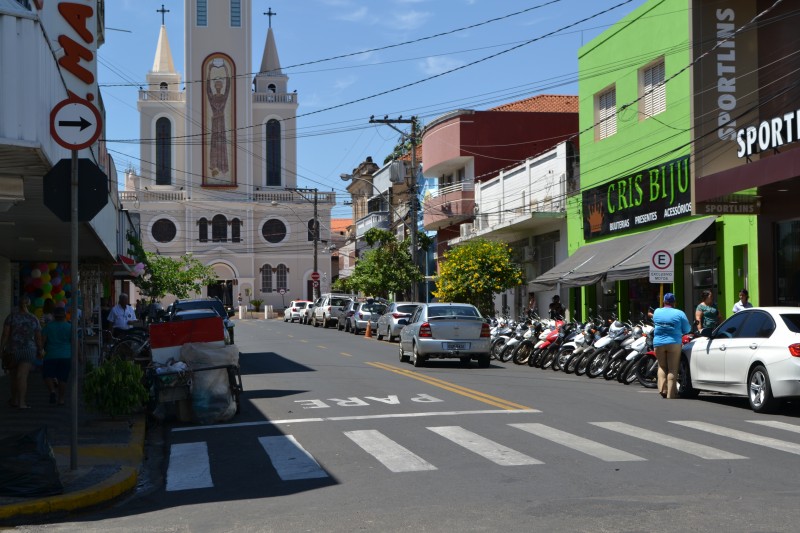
[257,304]
[115,387]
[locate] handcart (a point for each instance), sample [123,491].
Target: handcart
[172,386]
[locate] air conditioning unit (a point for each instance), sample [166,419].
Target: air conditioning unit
[466,230]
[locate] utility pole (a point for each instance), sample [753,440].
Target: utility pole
[412,183]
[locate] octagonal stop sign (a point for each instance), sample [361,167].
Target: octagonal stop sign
[92,189]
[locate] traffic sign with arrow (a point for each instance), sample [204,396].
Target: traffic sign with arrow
[75,123]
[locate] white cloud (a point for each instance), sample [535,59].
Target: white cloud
[411,20]
[343,83]
[358,15]
[438,64]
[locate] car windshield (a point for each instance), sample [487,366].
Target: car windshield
[301,305]
[452,311]
[374,308]
[792,322]
[408,308]
[215,305]
[336,302]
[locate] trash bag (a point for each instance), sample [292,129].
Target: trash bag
[28,466]
[212,399]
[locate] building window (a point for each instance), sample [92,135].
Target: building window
[163,88]
[163,151]
[266,278]
[273,230]
[271,88]
[654,91]
[203,229]
[236,13]
[236,235]
[164,230]
[202,12]
[606,116]
[281,277]
[219,229]
[273,152]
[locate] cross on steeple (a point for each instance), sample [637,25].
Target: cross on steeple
[163,12]
[270,14]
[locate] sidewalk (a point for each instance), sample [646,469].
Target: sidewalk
[110,451]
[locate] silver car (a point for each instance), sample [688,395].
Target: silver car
[445,331]
[389,325]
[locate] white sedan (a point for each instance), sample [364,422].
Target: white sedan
[443,331]
[754,353]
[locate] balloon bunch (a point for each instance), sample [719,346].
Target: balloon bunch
[47,281]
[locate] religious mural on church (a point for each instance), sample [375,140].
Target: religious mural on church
[219,122]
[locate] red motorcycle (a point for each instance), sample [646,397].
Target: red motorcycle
[647,368]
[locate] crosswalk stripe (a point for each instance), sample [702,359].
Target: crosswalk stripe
[393,456]
[484,447]
[589,447]
[768,442]
[290,459]
[777,425]
[189,467]
[692,448]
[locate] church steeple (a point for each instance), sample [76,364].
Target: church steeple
[270,78]
[163,64]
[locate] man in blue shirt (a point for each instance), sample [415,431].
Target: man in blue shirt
[670,326]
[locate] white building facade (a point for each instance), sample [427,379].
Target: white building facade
[218,176]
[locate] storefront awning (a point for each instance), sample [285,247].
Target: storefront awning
[621,258]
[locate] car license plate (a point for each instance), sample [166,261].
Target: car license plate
[456,346]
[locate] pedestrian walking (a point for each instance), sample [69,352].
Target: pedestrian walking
[706,313]
[670,326]
[743,302]
[57,338]
[22,337]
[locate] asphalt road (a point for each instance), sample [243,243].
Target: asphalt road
[336,434]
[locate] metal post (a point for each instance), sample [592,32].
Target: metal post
[73,456]
[414,258]
[316,241]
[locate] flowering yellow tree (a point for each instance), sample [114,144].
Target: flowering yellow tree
[475,271]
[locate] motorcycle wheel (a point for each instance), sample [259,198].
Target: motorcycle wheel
[630,372]
[497,347]
[614,365]
[647,372]
[572,362]
[549,358]
[522,353]
[561,359]
[598,364]
[534,356]
[583,363]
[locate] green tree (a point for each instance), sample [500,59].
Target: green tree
[403,146]
[164,275]
[387,267]
[475,271]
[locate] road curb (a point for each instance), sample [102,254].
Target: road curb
[121,482]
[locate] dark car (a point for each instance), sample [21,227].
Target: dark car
[204,303]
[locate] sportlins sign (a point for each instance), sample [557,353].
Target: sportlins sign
[640,199]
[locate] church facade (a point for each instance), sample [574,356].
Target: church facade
[218,175]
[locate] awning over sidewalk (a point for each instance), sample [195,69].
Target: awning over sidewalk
[621,258]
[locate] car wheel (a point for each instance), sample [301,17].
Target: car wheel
[484,361]
[403,357]
[760,391]
[324,322]
[416,359]
[378,333]
[354,329]
[684,383]
[347,326]
[285,319]
[389,336]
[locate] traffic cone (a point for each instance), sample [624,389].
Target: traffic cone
[368,332]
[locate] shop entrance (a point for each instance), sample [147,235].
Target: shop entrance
[787,263]
[702,273]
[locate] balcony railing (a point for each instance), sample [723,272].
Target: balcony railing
[376,219]
[455,187]
[152,196]
[162,96]
[271,98]
[258,197]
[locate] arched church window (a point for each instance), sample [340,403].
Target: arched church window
[236,226]
[163,87]
[266,278]
[273,231]
[273,139]
[219,228]
[281,277]
[202,225]
[163,151]
[311,230]
[271,88]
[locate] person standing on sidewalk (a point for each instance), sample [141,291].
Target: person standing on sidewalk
[57,337]
[706,313]
[121,316]
[22,335]
[670,326]
[743,302]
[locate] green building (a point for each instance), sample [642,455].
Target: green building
[637,172]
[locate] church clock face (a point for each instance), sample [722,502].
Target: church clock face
[274,231]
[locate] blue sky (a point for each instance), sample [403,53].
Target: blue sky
[333,141]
